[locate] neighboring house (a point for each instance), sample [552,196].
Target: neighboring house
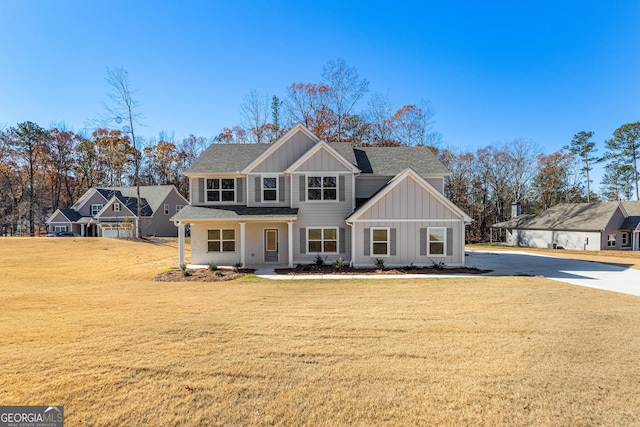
[299,198]
[112,212]
[582,226]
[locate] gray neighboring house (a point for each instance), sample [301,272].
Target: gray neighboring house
[580,226]
[113,212]
[289,202]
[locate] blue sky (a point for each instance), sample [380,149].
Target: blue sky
[494,71]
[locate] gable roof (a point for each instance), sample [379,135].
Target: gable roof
[316,148]
[394,182]
[87,196]
[70,214]
[276,145]
[630,223]
[632,207]
[152,196]
[566,216]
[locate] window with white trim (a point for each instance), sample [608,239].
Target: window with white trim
[116,207]
[322,240]
[221,190]
[625,239]
[221,240]
[436,240]
[380,241]
[166,209]
[611,240]
[59,228]
[322,187]
[269,189]
[179,208]
[95,209]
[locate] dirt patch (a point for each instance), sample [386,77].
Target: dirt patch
[201,275]
[301,269]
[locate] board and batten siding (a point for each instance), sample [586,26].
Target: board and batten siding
[322,214]
[286,154]
[322,161]
[409,200]
[407,243]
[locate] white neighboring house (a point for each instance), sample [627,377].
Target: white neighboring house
[112,212]
[578,226]
[300,198]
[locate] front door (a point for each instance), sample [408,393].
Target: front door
[271,245]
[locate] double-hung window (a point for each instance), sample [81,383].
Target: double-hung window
[611,240]
[95,209]
[322,240]
[116,207]
[436,238]
[322,187]
[166,209]
[221,240]
[269,189]
[59,228]
[179,207]
[625,239]
[380,241]
[221,190]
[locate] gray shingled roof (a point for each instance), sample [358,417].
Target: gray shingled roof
[226,158]
[234,212]
[632,207]
[388,161]
[566,216]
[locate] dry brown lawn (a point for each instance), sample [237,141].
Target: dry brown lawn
[84,326]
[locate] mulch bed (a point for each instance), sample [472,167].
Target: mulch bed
[201,275]
[301,269]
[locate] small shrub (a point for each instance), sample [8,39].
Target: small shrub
[308,267]
[212,266]
[236,267]
[410,267]
[185,272]
[438,265]
[379,262]
[319,261]
[218,273]
[339,264]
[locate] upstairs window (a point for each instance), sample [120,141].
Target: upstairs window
[322,188]
[166,209]
[116,207]
[95,209]
[269,189]
[179,207]
[221,190]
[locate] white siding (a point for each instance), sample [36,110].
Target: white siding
[254,255]
[547,238]
[199,254]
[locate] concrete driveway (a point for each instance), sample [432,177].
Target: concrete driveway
[609,277]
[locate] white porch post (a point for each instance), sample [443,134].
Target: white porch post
[137,228]
[181,233]
[290,242]
[242,245]
[83,227]
[353,243]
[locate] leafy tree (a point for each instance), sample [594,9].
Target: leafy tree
[582,147]
[624,150]
[28,139]
[551,182]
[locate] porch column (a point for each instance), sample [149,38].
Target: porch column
[137,234]
[181,233]
[83,227]
[242,245]
[290,241]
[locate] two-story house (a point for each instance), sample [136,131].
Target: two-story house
[288,202]
[113,212]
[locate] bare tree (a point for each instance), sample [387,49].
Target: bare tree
[122,108]
[380,119]
[255,110]
[346,89]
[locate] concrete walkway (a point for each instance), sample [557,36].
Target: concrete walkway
[610,277]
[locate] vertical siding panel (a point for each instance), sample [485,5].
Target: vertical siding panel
[393,237]
[449,241]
